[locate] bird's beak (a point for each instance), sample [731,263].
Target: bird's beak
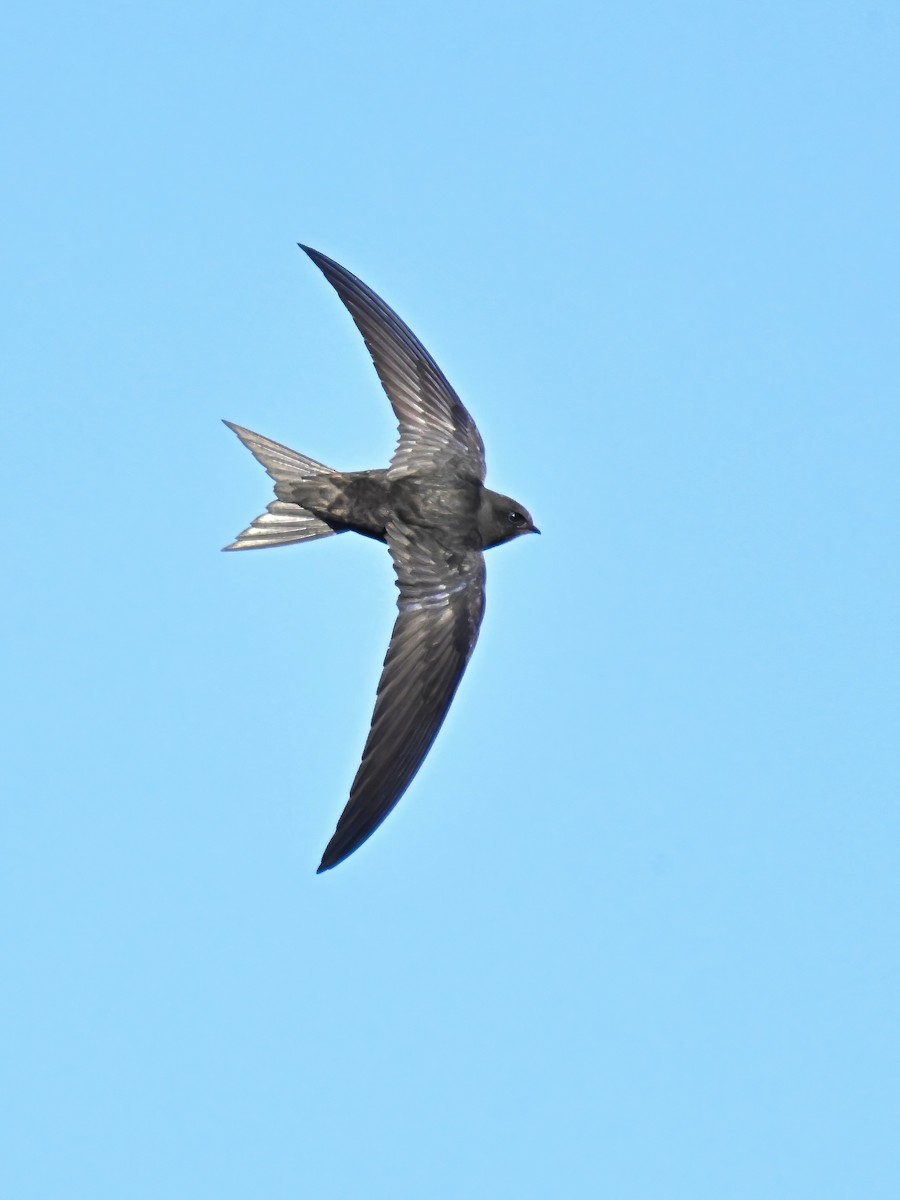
[533,529]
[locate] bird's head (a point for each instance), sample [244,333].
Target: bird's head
[501,518]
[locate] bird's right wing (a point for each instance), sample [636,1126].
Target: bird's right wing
[441,605]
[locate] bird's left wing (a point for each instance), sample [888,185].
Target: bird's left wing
[441,605]
[435,426]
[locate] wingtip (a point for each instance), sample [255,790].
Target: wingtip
[333,856]
[322,261]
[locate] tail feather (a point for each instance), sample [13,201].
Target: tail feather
[282,523]
[283,464]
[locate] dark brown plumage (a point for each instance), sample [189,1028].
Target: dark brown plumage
[431,508]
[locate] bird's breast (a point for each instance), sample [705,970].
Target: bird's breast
[436,503]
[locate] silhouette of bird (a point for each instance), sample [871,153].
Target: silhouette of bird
[432,509]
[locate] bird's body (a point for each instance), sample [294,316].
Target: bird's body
[364,502]
[432,509]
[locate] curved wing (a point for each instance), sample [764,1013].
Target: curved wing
[434,423]
[441,605]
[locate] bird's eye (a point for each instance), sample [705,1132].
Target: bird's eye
[515,518]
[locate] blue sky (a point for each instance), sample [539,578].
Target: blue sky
[633,932]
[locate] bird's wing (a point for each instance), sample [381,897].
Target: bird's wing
[434,424]
[441,605]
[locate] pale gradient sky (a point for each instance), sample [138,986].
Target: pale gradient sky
[633,932]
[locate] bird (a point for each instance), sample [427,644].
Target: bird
[431,508]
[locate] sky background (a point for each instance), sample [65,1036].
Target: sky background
[633,931]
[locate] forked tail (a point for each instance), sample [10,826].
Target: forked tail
[282,523]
